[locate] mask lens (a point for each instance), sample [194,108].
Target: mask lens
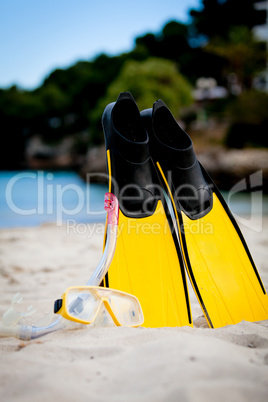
[82,304]
[125,307]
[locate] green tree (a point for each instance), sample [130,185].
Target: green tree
[148,81]
[216,17]
[249,120]
[173,42]
[244,55]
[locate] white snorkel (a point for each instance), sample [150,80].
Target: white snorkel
[9,325]
[112,207]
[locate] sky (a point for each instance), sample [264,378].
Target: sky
[38,36]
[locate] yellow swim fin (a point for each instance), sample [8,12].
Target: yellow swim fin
[220,267]
[147,262]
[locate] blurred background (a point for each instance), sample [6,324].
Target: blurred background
[63,62]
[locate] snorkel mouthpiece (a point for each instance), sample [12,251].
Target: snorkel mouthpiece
[112,207]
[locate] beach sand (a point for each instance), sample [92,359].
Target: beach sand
[114,363]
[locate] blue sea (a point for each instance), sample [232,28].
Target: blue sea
[30,198]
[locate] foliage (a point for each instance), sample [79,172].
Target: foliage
[216,17]
[148,81]
[249,120]
[245,56]
[173,43]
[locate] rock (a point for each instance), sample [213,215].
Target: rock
[40,155]
[228,166]
[94,166]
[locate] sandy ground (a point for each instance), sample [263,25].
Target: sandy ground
[112,363]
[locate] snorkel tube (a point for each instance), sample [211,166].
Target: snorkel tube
[9,323]
[112,207]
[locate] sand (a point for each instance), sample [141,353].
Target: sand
[112,363]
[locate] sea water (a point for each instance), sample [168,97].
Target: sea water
[31,198]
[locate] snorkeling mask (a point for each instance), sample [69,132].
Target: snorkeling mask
[83,304]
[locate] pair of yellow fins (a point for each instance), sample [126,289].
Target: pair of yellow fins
[173,220]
